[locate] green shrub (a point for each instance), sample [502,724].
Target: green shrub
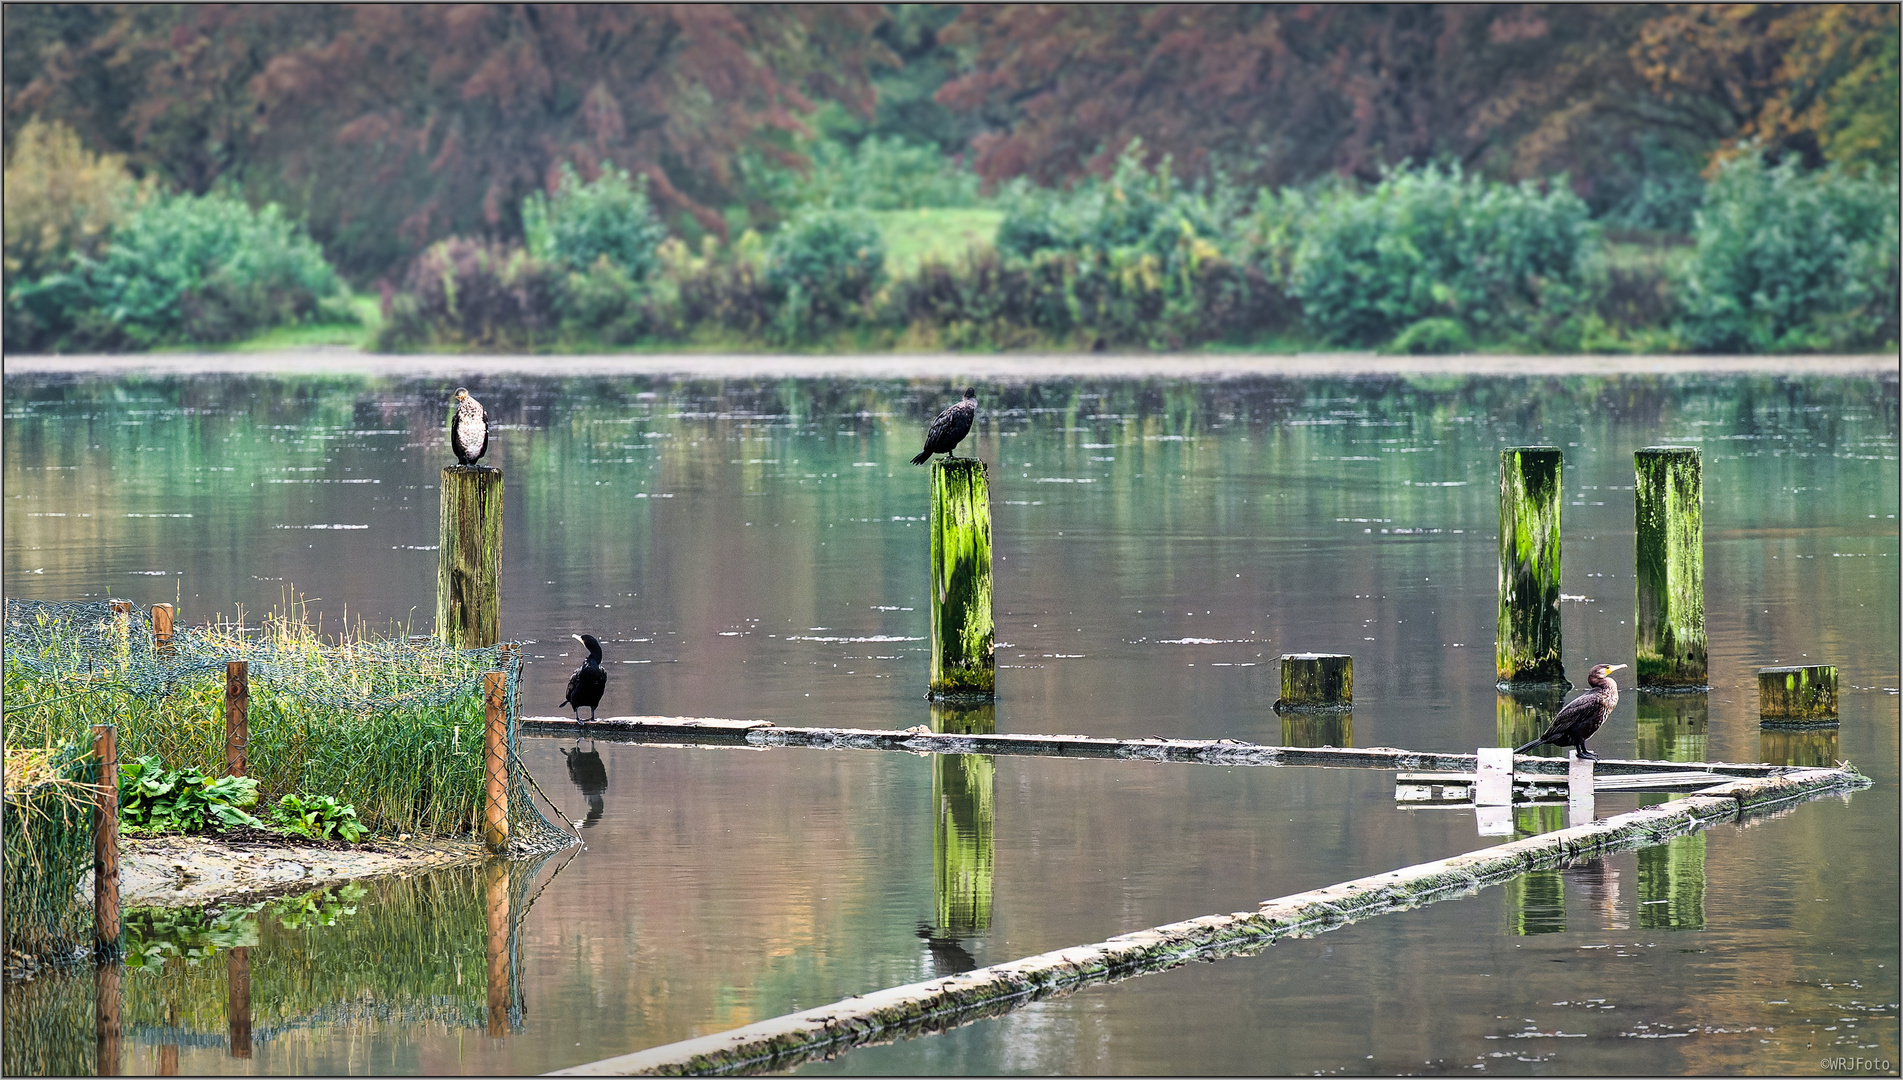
[472,293]
[1437,336]
[1792,261]
[317,818]
[60,200]
[1137,210]
[608,218]
[1433,242]
[886,173]
[820,269]
[155,799]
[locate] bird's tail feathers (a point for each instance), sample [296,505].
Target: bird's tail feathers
[1529,746]
[922,455]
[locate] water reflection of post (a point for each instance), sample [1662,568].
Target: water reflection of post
[1524,713]
[1317,729]
[107,1002]
[168,1052]
[497,904]
[1798,746]
[238,1000]
[1672,727]
[964,787]
[1536,901]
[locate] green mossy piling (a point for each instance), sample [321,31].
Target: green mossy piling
[962,633]
[1317,681]
[469,559]
[1670,564]
[1798,694]
[1526,645]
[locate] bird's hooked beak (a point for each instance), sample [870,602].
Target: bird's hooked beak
[1610,668]
[462,395]
[577,637]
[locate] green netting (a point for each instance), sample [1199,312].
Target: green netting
[393,726]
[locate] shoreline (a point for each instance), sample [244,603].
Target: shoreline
[1000,367]
[189,870]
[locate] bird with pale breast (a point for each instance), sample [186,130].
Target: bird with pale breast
[468,428]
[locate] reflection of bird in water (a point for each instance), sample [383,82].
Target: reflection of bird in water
[468,429]
[1582,716]
[586,685]
[950,426]
[588,773]
[948,957]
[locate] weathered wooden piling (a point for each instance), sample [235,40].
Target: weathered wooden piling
[495,763]
[469,559]
[1670,564]
[496,908]
[162,629]
[238,1001]
[107,932]
[1317,681]
[1798,694]
[1526,645]
[962,634]
[237,715]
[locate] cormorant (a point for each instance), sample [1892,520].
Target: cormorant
[585,686]
[468,429]
[950,426]
[1580,717]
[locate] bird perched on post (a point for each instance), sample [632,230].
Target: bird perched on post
[589,681]
[1580,717]
[950,426]
[468,429]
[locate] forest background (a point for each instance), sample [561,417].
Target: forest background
[1417,178]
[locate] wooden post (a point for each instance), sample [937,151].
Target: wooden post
[237,715]
[964,812]
[495,763]
[962,634]
[238,1001]
[1806,693]
[1493,777]
[106,929]
[496,905]
[162,632]
[1317,681]
[1579,790]
[1526,646]
[1670,561]
[108,1003]
[469,561]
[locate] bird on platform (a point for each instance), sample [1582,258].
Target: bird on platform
[468,429]
[950,427]
[589,681]
[1580,717]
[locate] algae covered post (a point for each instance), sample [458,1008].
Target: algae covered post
[961,580]
[1526,640]
[1803,694]
[469,559]
[1670,567]
[1317,681]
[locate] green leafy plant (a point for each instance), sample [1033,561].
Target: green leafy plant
[821,267]
[154,799]
[318,817]
[607,218]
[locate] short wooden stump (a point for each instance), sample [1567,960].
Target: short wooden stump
[1802,695]
[1317,681]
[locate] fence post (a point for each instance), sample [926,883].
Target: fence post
[469,559]
[962,631]
[495,758]
[106,930]
[162,628]
[1669,522]
[1526,639]
[237,715]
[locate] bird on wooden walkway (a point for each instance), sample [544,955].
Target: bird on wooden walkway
[587,684]
[950,426]
[468,429]
[1580,717]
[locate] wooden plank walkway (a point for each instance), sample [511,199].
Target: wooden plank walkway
[708,731]
[784,1042]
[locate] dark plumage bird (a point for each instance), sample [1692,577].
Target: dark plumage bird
[586,685]
[1580,717]
[468,429]
[950,426]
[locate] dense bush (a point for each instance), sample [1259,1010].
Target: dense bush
[61,200]
[609,218]
[878,173]
[464,293]
[181,269]
[820,269]
[1793,261]
[1432,242]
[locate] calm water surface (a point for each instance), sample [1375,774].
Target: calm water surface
[757,549]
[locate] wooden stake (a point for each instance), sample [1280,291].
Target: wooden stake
[1670,560]
[106,929]
[162,631]
[469,561]
[238,1000]
[495,788]
[961,580]
[1317,681]
[1798,693]
[1526,645]
[237,715]
[497,907]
